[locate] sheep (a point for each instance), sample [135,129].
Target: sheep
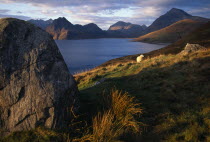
[139,58]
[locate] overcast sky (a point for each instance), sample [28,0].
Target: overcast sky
[102,12]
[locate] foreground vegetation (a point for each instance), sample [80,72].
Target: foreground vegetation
[173,90]
[116,119]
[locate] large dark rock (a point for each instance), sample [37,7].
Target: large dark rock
[36,87]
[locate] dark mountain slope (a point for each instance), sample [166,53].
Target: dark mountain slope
[41,23]
[171,17]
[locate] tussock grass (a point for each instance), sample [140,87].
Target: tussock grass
[117,119]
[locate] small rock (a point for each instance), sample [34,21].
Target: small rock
[192,48]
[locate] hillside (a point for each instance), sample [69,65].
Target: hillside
[171,17]
[173,89]
[171,33]
[200,35]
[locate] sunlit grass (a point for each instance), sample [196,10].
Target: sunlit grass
[173,90]
[87,79]
[118,118]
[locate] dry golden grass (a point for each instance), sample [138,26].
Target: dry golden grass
[171,33]
[118,118]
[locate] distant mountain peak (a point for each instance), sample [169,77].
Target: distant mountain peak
[144,26]
[175,9]
[92,24]
[92,27]
[62,22]
[126,29]
[121,23]
[178,11]
[171,17]
[63,19]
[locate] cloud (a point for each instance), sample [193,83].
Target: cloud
[15,16]
[106,12]
[205,11]
[4,10]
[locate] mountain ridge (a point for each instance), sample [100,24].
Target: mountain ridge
[61,28]
[171,33]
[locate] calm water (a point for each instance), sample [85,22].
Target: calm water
[85,54]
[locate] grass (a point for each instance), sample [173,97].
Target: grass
[119,117]
[173,90]
[37,135]
[174,95]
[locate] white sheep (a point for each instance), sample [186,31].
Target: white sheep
[139,58]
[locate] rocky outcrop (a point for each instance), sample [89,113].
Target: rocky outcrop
[192,48]
[36,88]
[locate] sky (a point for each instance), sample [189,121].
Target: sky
[102,12]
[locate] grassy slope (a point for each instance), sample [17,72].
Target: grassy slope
[173,89]
[171,33]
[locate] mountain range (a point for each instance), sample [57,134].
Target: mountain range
[61,28]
